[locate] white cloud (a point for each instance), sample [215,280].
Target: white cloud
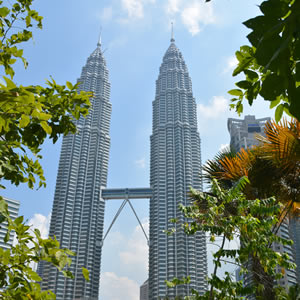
[133,8]
[113,287]
[197,14]
[136,254]
[106,14]
[141,163]
[231,64]
[223,147]
[173,6]
[40,222]
[216,108]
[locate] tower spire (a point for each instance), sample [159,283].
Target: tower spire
[172,34]
[99,39]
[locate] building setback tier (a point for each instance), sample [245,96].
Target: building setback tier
[78,213]
[175,166]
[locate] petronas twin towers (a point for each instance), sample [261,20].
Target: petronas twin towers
[78,208]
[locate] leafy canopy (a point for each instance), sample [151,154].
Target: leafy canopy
[29,115]
[226,214]
[271,65]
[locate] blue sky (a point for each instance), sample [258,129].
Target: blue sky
[135,36]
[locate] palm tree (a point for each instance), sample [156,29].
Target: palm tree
[273,169]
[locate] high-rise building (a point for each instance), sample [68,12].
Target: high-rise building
[242,135]
[78,212]
[175,166]
[290,276]
[144,290]
[295,235]
[13,209]
[242,132]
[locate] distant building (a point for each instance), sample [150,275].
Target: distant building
[238,275]
[242,135]
[144,291]
[40,268]
[295,235]
[13,209]
[242,132]
[290,276]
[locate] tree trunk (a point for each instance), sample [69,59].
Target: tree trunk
[260,277]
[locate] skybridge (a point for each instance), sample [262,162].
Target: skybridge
[126,194]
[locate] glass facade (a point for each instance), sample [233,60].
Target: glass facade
[13,209]
[78,212]
[175,166]
[242,135]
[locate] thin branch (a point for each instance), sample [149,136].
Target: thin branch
[10,27]
[231,262]
[216,268]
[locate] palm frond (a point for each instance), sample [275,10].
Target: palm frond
[282,143]
[236,167]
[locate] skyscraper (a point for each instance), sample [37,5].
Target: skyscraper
[242,135]
[13,209]
[144,290]
[242,132]
[78,212]
[295,235]
[175,166]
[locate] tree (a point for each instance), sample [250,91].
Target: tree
[271,64]
[273,169]
[29,115]
[227,214]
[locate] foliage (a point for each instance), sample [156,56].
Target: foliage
[272,167]
[29,115]
[271,64]
[253,222]
[293,293]
[17,279]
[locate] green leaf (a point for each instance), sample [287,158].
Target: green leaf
[46,127]
[69,85]
[239,107]
[170,284]
[68,274]
[6,237]
[28,20]
[3,206]
[251,75]
[297,75]
[24,121]
[243,84]
[4,11]
[272,87]
[44,116]
[295,103]
[236,92]
[85,274]
[33,275]
[244,64]
[275,8]
[9,83]
[19,220]
[274,103]
[279,112]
